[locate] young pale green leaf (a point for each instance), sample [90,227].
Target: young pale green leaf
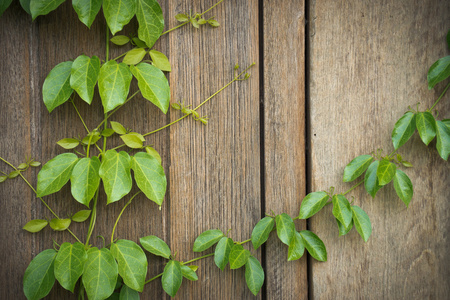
[151,21]
[39,276]
[43,7]
[371,179]
[314,245]
[22,166]
[213,23]
[155,245]
[194,23]
[120,40]
[443,139]
[85,179]
[118,128]
[4,5]
[132,141]
[116,175]
[3,178]
[114,84]
[35,164]
[56,89]
[342,229]
[84,75]
[68,143]
[87,10]
[438,71]
[13,174]
[134,56]
[362,222]
[149,176]
[296,248]
[127,293]
[261,232]
[285,228]
[222,252]
[385,172]
[91,138]
[403,186]
[60,224]
[312,203]
[69,264]
[254,275]
[356,167]
[202,21]
[153,85]
[403,129]
[107,132]
[35,225]
[342,210]
[81,215]
[160,61]
[238,256]
[426,125]
[207,239]
[153,153]
[188,273]
[132,263]
[182,18]
[55,174]
[100,274]
[118,13]
[25,5]
[172,277]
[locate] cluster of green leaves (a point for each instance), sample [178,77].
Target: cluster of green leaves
[29,162]
[196,20]
[56,224]
[187,111]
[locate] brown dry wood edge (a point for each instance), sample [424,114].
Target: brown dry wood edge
[368,63]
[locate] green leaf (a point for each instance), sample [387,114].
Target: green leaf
[213,23]
[151,21]
[118,13]
[285,228]
[100,274]
[426,125]
[4,4]
[107,132]
[120,40]
[362,222]
[87,10]
[207,239]
[55,174]
[153,153]
[114,296]
[149,176]
[56,89]
[312,203]
[238,256]
[194,23]
[43,7]
[137,42]
[403,130]
[127,293]
[25,5]
[188,273]
[182,18]
[153,85]
[254,275]
[438,71]
[60,224]
[35,164]
[85,179]
[116,175]
[222,252]
[81,216]
[446,122]
[68,143]
[201,21]
[13,174]
[114,84]
[296,248]
[69,264]
[342,210]
[155,245]
[134,56]
[371,179]
[132,141]
[314,245]
[443,139]
[91,140]
[3,178]
[172,277]
[385,172]
[356,167]
[160,61]
[35,225]
[39,276]
[261,232]
[132,263]
[342,229]
[403,186]
[84,75]
[118,128]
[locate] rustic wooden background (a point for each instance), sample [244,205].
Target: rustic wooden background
[330,81]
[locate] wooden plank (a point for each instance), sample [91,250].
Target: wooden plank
[214,172]
[368,63]
[284,137]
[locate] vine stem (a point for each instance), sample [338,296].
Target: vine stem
[121,212]
[82,121]
[93,218]
[116,109]
[442,95]
[176,27]
[42,200]
[352,188]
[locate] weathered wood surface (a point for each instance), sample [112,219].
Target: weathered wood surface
[368,62]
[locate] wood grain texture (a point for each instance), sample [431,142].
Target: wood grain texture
[369,61]
[284,137]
